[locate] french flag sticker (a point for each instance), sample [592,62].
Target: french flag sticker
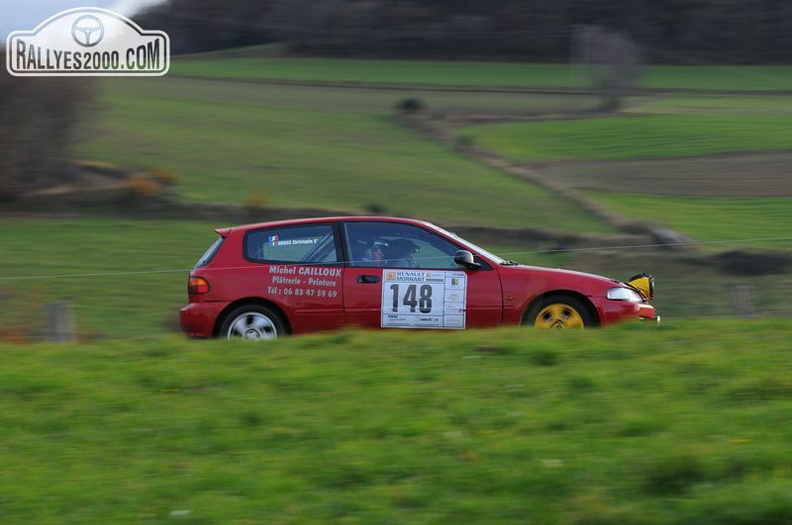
[273,240]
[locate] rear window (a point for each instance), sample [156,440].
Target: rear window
[206,258]
[309,244]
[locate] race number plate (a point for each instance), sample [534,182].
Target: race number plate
[423,299]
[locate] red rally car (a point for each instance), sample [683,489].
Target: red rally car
[262,281]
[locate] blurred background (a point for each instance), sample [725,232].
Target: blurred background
[611,137]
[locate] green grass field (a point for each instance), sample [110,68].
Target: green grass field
[403,72]
[693,130]
[339,148]
[644,136]
[307,147]
[709,104]
[478,74]
[645,425]
[747,218]
[125,278]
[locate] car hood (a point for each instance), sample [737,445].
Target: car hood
[567,277]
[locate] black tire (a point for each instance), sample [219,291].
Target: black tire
[252,322]
[560,312]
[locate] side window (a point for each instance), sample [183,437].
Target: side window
[309,244]
[394,245]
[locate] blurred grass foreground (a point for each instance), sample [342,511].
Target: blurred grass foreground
[641,424]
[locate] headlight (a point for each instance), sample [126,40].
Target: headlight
[624,294]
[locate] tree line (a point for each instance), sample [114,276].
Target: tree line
[669,31]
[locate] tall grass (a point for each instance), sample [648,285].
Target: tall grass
[650,425]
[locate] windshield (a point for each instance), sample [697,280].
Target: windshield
[469,245]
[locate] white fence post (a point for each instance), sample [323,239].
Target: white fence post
[743,297]
[60,322]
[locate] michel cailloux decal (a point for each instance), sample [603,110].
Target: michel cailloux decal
[88,41]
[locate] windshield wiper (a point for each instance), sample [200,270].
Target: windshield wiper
[509,263]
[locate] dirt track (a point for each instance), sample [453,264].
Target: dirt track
[751,175]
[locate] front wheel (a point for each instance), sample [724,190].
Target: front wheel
[252,323]
[559,312]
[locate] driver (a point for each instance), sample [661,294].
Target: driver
[375,254]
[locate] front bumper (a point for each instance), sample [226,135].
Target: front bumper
[612,312]
[647,312]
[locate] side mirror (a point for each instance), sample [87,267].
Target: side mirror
[465,259]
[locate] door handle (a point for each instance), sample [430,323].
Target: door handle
[367,279]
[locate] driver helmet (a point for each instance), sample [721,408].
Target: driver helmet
[378,244]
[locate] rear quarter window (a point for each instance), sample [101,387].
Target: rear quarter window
[207,257]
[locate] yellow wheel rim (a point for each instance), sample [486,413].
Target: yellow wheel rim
[558,316]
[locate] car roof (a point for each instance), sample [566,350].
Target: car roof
[292,222]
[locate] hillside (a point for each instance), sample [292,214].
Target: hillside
[268,134]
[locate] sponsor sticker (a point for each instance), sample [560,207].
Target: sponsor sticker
[423,299]
[275,240]
[304,282]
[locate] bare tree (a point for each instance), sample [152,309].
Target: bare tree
[38,119]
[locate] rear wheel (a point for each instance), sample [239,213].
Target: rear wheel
[252,323]
[559,312]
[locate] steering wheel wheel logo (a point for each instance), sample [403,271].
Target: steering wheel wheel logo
[88,31]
